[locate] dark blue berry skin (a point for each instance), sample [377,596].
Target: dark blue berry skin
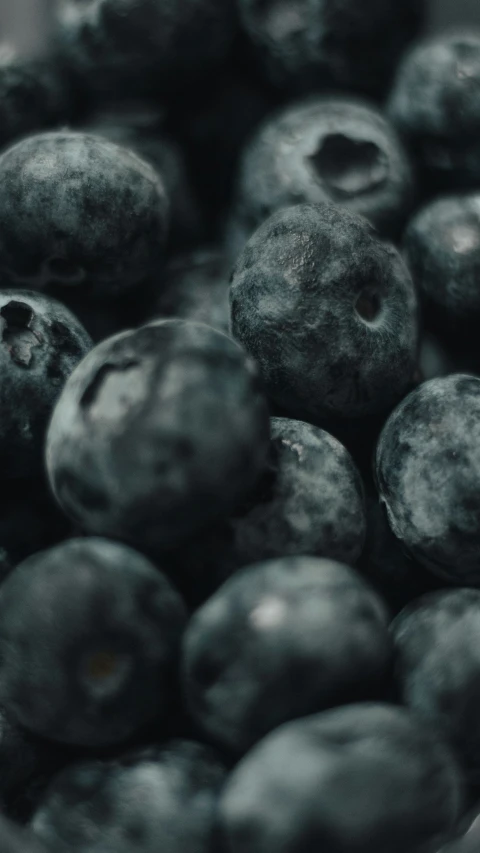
[16,840]
[329,312]
[428,475]
[196,288]
[159,433]
[435,105]
[79,216]
[22,756]
[335,150]
[140,127]
[279,640]
[436,640]
[34,94]
[331,44]
[442,249]
[367,778]
[140,47]
[41,342]
[89,633]
[310,501]
[160,799]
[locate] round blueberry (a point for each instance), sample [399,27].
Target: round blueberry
[437,642]
[428,475]
[310,45]
[326,150]
[329,312]
[309,502]
[13,839]
[160,799]
[89,633]
[144,46]
[442,249]
[139,126]
[196,288]
[159,432]
[435,104]
[279,640]
[79,215]
[366,778]
[41,343]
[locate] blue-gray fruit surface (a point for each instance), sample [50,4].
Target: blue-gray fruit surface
[279,640]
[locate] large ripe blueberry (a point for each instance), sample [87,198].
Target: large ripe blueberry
[428,475]
[89,635]
[329,312]
[279,640]
[160,432]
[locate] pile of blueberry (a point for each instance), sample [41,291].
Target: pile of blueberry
[240,431]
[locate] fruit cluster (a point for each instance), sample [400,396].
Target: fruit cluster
[240,431]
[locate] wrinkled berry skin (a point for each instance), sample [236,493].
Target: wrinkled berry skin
[279,640]
[309,502]
[334,150]
[33,95]
[196,288]
[79,215]
[89,633]
[331,44]
[41,343]
[144,46]
[428,475]
[140,128]
[162,798]
[435,105]
[442,249]
[437,641]
[159,432]
[402,780]
[329,312]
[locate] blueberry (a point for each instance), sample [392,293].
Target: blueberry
[442,249]
[437,641]
[79,215]
[279,640]
[40,344]
[435,104]
[366,778]
[428,474]
[33,95]
[89,632]
[310,45]
[21,757]
[329,312]
[326,150]
[161,799]
[139,127]
[309,502]
[159,432]
[144,46]
[16,840]
[196,288]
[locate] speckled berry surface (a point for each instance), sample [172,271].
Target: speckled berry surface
[279,640]
[79,215]
[326,149]
[160,432]
[404,783]
[329,312]
[428,475]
